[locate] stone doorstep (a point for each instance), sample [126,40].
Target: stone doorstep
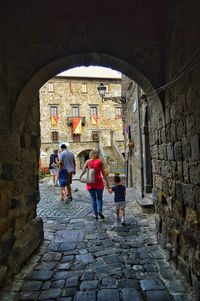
[145,203]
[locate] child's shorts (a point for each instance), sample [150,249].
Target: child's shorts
[54,171]
[63,183]
[120,205]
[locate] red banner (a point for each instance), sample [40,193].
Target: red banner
[76,125]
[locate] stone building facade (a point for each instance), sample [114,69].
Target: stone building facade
[71,111]
[136,135]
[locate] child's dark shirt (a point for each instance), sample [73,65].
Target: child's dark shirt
[119,191]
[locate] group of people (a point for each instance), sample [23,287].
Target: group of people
[62,167]
[96,189]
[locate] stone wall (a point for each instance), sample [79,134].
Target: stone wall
[19,194]
[176,152]
[138,172]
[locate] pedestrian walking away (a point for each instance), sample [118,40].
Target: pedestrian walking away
[63,181]
[96,189]
[68,160]
[53,166]
[119,198]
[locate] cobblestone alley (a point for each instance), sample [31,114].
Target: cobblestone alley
[86,260]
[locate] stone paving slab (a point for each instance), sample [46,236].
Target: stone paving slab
[82,259]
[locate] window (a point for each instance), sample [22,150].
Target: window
[76,138]
[50,87]
[93,111]
[118,112]
[95,136]
[54,136]
[54,111]
[75,111]
[84,88]
[107,88]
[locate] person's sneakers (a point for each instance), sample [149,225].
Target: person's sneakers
[117,218]
[101,215]
[123,221]
[95,216]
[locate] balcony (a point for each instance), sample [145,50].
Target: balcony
[70,118]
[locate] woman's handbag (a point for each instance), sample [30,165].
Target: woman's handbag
[89,176]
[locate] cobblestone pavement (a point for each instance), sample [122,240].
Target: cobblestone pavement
[86,260]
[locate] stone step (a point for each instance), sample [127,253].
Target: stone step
[146,203]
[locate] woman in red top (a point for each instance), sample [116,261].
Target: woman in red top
[96,189]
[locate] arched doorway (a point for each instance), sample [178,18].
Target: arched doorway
[83,157]
[25,117]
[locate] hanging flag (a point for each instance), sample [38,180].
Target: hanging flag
[94,119]
[54,120]
[76,125]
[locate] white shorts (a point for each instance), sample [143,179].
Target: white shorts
[120,205]
[54,171]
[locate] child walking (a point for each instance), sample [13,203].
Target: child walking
[119,198]
[63,181]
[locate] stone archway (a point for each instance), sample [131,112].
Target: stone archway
[28,93]
[25,129]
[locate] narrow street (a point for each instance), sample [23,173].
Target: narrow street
[86,260]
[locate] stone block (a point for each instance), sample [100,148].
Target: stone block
[158,222]
[158,296]
[7,244]
[179,192]
[162,152]
[179,209]
[179,171]
[170,152]
[190,125]
[186,148]
[163,135]
[197,198]
[130,294]
[151,284]
[194,172]
[196,286]
[195,147]
[108,295]
[173,132]
[180,128]
[165,186]
[3,270]
[184,268]
[7,172]
[185,172]
[192,217]
[85,296]
[188,192]
[51,293]
[178,151]
[154,152]
[89,285]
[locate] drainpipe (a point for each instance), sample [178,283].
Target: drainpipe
[140,142]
